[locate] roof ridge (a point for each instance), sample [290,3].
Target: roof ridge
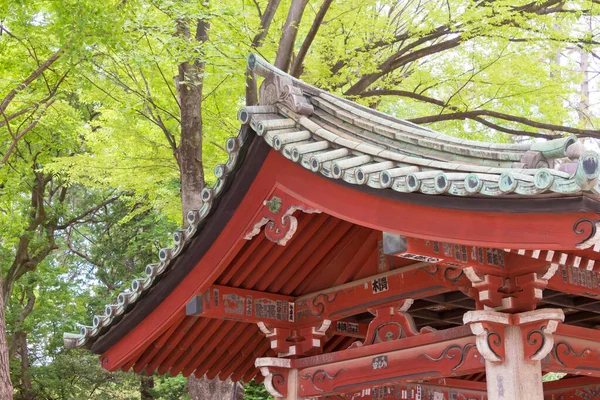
[263,68]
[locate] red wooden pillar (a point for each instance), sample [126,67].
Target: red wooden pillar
[513,346]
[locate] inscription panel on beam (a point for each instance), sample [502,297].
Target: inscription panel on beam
[574,280]
[243,305]
[486,260]
[425,391]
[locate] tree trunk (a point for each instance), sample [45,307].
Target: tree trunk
[288,34]
[146,386]
[189,157]
[265,23]
[298,64]
[6,388]
[207,389]
[25,388]
[189,152]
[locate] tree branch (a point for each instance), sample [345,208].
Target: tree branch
[32,77]
[297,65]
[84,214]
[22,133]
[288,34]
[265,23]
[507,117]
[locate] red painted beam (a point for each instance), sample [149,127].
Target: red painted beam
[485,229]
[576,351]
[387,288]
[444,389]
[484,259]
[243,305]
[433,355]
[577,281]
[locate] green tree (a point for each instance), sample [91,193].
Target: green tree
[113,113]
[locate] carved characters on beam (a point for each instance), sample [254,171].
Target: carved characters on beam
[277,215]
[495,278]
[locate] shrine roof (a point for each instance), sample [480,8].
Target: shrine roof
[347,142]
[344,140]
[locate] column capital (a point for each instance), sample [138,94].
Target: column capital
[276,371]
[536,329]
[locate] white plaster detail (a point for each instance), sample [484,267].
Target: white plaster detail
[269,383]
[472,275]
[322,329]
[481,341]
[406,305]
[539,315]
[550,271]
[476,321]
[265,329]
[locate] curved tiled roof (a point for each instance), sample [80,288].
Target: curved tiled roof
[343,140]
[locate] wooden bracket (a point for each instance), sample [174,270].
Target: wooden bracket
[536,328]
[391,322]
[488,327]
[277,215]
[510,294]
[276,372]
[296,342]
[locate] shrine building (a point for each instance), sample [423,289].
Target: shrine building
[344,253]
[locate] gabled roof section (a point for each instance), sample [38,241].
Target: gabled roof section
[344,140]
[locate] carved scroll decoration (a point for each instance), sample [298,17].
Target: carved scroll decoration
[391,323]
[593,234]
[452,352]
[275,382]
[319,376]
[276,372]
[537,328]
[277,215]
[568,351]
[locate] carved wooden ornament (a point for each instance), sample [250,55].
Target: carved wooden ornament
[277,215]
